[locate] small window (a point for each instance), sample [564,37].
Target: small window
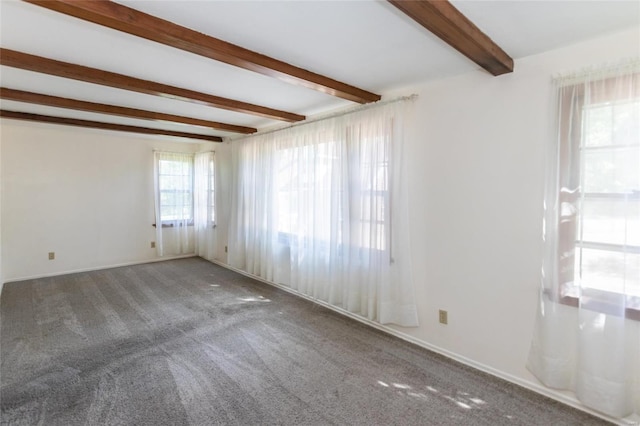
[175,182]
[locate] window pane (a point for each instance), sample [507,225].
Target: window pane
[312,182]
[167,167]
[609,204]
[597,126]
[171,182]
[285,219]
[169,213]
[212,204]
[305,189]
[612,124]
[612,170]
[175,181]
[626,123]
[611,220]
[166,198]
[372,207]
[185,198]
[607,270]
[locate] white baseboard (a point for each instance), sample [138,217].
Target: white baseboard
[535,387]
[98,268]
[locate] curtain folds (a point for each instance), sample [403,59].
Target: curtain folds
[587,334]
[204,205]
[321,208]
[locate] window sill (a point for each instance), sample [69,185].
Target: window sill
[605,302]
[171,225]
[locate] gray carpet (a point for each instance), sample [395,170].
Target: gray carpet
[186,342]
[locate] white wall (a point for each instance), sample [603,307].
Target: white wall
[477,150]
[86,195]
[476,192]
[477,175]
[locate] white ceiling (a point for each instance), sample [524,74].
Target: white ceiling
[368,44]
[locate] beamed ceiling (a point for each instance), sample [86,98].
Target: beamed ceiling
[206,70]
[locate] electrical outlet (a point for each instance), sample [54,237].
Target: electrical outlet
[153,244]
[52,255]
[443,317]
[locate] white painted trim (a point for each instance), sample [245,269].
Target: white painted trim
[550,393]
[98,268]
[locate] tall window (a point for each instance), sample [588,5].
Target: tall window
[373,218]
[205,212]
[212,192]
[204,215]
[175,188]
[609,226]
[592,243]
[599,226]
[312,210]
[174,202]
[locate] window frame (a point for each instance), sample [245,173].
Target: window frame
[571,145]
[190,221]
[211,194]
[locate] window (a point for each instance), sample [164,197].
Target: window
[312,209]
[175,181]
[329,191]
[205,214]
[212,192]
[599,227]
[304,190]
[372,213]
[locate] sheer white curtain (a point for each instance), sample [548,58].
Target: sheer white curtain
[204,205]
[587,335]
[173,182]
[321,207]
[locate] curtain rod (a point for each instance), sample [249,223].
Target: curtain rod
[161,151]
[605,70]
[344,112]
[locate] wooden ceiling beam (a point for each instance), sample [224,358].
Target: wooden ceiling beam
[58,102]
[100,125]
[25,61]
[134,22]
[445,21]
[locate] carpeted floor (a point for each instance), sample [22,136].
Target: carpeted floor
[186,342]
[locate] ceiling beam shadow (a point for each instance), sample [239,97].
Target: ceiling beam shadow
[55,101]
[445,21]
[25,61]
[134,22]
[100,125]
